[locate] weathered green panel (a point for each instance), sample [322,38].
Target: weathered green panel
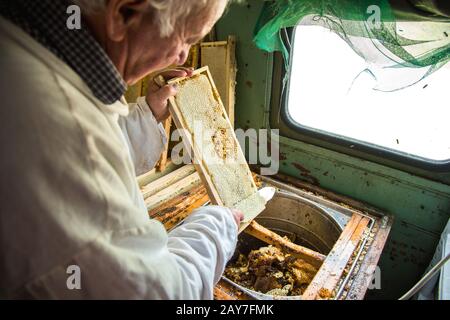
[421,207]
[252,92]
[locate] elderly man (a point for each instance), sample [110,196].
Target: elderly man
[71,148]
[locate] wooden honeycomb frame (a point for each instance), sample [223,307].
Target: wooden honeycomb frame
[252,204]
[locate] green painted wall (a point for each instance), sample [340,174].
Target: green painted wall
[421,207]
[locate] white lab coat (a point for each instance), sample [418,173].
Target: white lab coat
[69,196]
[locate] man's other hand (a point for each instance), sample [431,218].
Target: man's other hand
[157,96]
[238,216]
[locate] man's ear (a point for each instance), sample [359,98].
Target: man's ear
[122,15]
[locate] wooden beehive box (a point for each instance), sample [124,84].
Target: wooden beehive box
[345,273]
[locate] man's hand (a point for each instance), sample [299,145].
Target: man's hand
[157,97]
[238,216]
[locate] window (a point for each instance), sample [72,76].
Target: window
[329,92]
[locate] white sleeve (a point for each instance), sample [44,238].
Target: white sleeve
[145,137]
[148,263]
[203,244]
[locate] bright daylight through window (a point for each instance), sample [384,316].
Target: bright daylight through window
[330,91]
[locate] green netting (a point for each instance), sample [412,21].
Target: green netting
[357,21]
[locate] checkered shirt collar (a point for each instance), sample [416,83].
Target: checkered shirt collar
[46,22]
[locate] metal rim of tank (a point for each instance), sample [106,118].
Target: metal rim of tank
[312,226]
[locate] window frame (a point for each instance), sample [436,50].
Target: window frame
[281,119]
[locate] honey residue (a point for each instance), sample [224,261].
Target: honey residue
[268,270]
[224,144]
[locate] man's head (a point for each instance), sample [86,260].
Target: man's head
[143,36]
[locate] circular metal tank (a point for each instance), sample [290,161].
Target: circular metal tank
[301,220]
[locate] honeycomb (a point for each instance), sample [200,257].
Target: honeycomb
[205,119]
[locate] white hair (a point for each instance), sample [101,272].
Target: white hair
[168,12]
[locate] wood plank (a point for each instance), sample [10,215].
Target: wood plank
[162,163]
[187,209]
[327,267]
[342,259]
[176,189]
[167,180]
[214,56]
[171,207]
[231,73]
[220,57]
[175,210]
[152,175]
[367,268]
[213,44]
[225,291]
[193,59]
[143,178]
[310,256]
[220,294]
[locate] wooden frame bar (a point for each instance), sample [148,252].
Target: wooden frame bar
[329,274]
[258,231]
[167,181]
[167,193]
